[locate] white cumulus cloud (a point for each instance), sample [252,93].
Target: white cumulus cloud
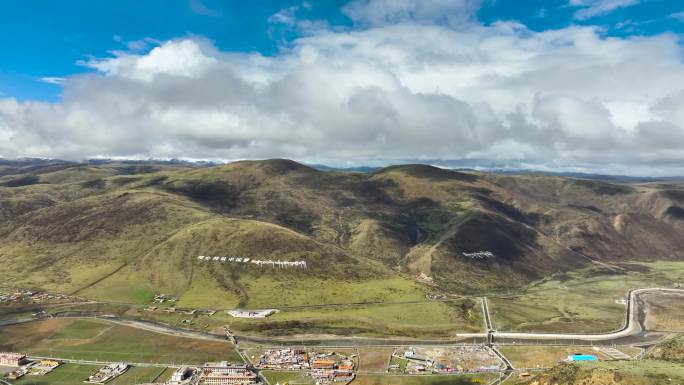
[504,94]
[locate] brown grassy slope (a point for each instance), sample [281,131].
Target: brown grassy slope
[568,374]
[420,216]
[411,218]
[48,245]
[604,220]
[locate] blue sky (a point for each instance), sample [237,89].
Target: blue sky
[562,85]
[643,18]
[48,38]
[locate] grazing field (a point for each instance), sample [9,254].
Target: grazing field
[374,360]
[60,338]
[268,292]
[424,379]
[292,378]
[580,301]
[531,356]
[445,319]
[138,375]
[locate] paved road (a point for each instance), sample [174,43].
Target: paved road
[485,313]
[503,358]
[102,363]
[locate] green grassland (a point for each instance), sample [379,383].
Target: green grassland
[446,319]
[377,320]
[296,316]
[62,338]
[268,292]
[580,301]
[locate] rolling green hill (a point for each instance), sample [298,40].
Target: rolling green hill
[124,231]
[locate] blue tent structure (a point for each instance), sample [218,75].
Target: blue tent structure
[582,357]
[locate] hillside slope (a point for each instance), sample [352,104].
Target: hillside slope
[95,228]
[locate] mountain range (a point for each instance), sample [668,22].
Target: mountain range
[138,227]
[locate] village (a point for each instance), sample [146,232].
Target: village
[214,373]
[324,367]
[167,304]
[28,296]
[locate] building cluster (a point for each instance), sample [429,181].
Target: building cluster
[325,368]
[12,359]
[214,373]
[180,310]
[463,359]
[161,298]
[108,373]
[240,313]
[184,375]
[171,308]
[211,373]
[29,296]
[479,255]
[15,360]
[224,373]
[257,262]
[43,367]
[25,366]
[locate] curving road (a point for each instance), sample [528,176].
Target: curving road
[631,326]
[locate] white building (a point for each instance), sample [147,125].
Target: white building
[12,359]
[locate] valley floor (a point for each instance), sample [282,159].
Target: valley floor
[587,300]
